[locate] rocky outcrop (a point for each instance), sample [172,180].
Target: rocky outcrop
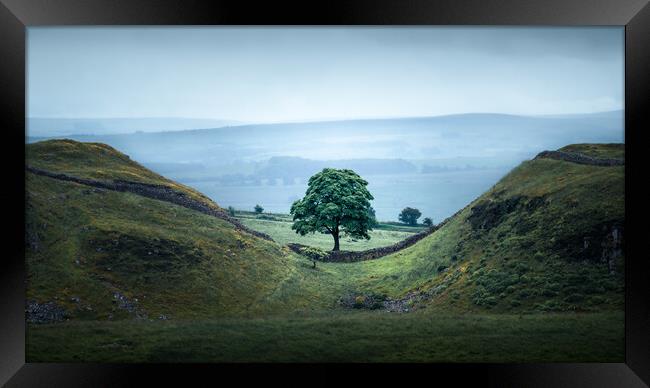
[612,248]
[159,192]
[489,213]
[579,158]
[40,313]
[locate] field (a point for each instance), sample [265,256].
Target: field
[339,337]
[278,226]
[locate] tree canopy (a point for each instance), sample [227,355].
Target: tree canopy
[410,216]
[336,201]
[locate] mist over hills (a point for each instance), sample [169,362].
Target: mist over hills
[45,126]
[434,163]
[462,135]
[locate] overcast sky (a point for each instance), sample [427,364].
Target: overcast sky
[292,74]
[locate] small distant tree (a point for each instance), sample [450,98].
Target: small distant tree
[231,211]
[373,217]
[336,201]
[428,221]
[410,216]
[258,209]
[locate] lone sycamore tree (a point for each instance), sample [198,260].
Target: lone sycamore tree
[336,201]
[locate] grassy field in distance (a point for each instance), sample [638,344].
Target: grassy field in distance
[278,226]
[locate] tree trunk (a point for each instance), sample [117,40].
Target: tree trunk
[335,234]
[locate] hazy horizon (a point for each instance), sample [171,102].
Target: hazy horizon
[42,127]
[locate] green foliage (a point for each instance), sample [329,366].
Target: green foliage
[410,216]
[259,209]
[231,211]
[336,201]
[427,221]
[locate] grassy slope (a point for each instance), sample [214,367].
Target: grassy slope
[200,268]
[519,264]
[527,261]
[86,243]
[99,162]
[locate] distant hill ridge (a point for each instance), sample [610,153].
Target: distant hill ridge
[580,158]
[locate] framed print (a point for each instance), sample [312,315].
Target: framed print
[448,189]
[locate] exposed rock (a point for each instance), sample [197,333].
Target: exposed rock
[126,304]
[40,313]
[489,213]
[602,243]
[362,301]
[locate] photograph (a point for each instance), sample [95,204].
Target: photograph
[325,194]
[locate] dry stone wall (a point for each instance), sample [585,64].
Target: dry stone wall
[159,192]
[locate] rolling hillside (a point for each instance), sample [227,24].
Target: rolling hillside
[547,237]
[135,278]
[95,253]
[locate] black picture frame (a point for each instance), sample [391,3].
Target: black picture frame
[17,15]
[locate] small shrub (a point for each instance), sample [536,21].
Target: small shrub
[523,294]
[231,211]
[314,253]
[594,289]
[549,305]
[573,298]
[482,297]
[521,268]
[571,289]
[548,293]
[596,299]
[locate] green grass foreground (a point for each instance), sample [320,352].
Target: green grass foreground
[353,336]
